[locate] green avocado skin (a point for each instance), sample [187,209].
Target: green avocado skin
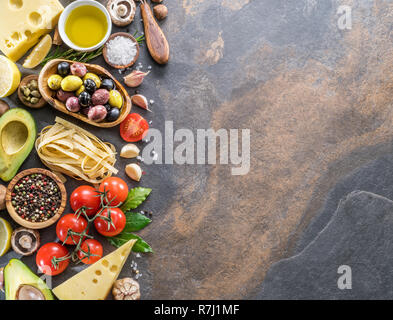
[16,273]
[17,136]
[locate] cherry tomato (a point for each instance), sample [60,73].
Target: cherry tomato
[93,247]
[134,128]
[116,189]
[73,223]
[46,255]
[85,196]
[111,229]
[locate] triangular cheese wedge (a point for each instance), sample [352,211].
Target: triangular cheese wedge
[96,281]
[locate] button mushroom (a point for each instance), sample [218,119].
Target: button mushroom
[25,241]
[122,12]
[28,292]
[126,289]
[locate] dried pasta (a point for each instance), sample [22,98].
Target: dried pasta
[69,149]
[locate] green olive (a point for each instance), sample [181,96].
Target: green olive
[71,83]
[115,99]
[54,82]
[80,90]
[93,77]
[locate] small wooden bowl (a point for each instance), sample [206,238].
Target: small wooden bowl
[24,82]
[35,225]
[105,50]
[50,96]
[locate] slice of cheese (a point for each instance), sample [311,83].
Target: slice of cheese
[23,22]
[95,282]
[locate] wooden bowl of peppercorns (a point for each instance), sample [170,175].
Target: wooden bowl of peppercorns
[36,198]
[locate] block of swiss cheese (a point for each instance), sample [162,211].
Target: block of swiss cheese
[96,281]
[23,22]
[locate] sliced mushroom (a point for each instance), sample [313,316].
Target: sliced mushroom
[122,12]
[126,289]
[25,241]
[3,191]
[28,292]
[2,279]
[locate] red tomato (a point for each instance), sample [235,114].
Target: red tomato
[85,196]
[45,259]
[134,128]
[116,189]
[107,229]
[93,247]
[73,223]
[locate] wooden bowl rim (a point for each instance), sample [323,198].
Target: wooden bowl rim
[25,80]
[105,50]
[58,105]
[28,224]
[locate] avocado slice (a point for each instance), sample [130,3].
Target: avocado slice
[17,135]
[17,275]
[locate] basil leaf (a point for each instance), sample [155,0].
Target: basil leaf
[135,222]
[135,197]
[139,246]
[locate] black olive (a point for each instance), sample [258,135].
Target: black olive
[108,84]
[113,115]
[63,69]
[85,111]
[84,99]
[108,107]
[90,86]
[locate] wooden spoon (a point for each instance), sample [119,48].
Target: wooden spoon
[155,39]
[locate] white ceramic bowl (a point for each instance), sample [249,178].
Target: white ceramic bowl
[66,13]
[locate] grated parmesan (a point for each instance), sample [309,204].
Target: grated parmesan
[121,51]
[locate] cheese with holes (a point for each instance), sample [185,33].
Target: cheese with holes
[23,22]
[95,282]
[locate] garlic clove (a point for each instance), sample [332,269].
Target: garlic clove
[135,78]
[129,151]
[134,171]
[140,101]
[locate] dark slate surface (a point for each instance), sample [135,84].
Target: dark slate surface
[318,103]
[359,236]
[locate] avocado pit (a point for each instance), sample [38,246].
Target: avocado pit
[28,292]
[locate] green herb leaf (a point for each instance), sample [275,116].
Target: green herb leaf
[135,222]
[73,55]
[139,246]
[135,197]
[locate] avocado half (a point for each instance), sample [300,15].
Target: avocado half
[17,275]
[17,135]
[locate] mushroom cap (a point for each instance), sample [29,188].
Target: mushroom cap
[28,292]
[25,241]
[122,12]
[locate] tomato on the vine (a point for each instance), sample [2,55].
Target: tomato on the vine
[85,196]
[134,128]
[70,222]
[91,251]
[110,228]
[116,190]
[47,255]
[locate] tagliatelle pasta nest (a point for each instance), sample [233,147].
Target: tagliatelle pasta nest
[69,149]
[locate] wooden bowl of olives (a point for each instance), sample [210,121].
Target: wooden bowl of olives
[84,91]
[29,93]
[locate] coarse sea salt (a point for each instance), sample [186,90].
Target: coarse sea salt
[121,51]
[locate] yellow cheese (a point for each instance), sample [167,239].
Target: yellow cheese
[95,282]
[23,22]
